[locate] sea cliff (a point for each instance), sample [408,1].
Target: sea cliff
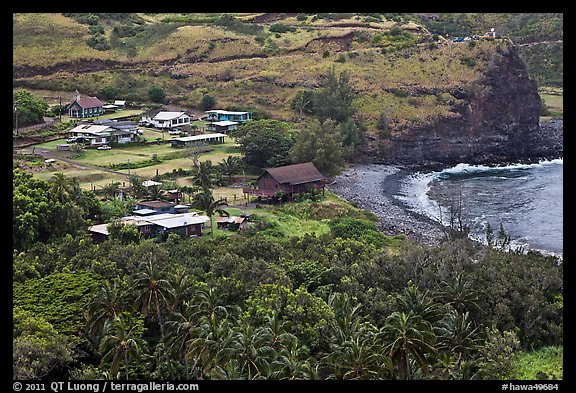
[497,122]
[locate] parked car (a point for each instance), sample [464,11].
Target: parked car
[174,132]
[104,147]
[71,140]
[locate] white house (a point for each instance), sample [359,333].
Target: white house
[168,119]
[106,131]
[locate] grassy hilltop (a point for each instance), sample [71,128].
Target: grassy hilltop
[256,61]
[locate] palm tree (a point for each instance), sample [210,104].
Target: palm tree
[360,356]
[137,189]
[181,286]
[459,294]
[204,174]
[153,289]
[111,189]
[105,305]
[458,336]
[231,166]
[409,336]
[61,185]
[205,201]
[293,362]
[181,329]
[250,347]
[421,303]
[121,342]
[189,191]
[347,316]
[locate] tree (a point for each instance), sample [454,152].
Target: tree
[38,350]
[335,99]
[105,306]
[303,102]
[498,353]
[409,336]
[320,143]
[230,166]
[181,329]
[28,109]
[204,175]
[207,102]
[122,342]
[459,294]
[153,290]
[264,143]
[205,201]
[48,209]
[156,94]
[109,92]
[458,337]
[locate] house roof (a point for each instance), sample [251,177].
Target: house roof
[156,204]
[198,137]
[225,123]
[223,112]
[231,220]
[100,228]
[168,115]
[149,183]
[305,172]
[90,129]
[88,102]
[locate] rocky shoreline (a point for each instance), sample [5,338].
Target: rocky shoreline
[374,187]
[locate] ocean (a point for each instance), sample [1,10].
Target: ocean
[526,199]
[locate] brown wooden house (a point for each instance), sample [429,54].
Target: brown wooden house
[290,179]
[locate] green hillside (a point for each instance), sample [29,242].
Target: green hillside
[256,61]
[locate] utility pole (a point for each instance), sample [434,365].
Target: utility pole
[60,110]
[16,112]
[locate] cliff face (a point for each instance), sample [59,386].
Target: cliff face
[498,122]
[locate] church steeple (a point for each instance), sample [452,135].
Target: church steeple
[76,95]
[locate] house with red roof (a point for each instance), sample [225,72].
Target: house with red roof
[290,179]
[85,106]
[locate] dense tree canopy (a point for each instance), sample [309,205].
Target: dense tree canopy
[28,109]
[264,143]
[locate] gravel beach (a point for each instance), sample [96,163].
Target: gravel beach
[373,187]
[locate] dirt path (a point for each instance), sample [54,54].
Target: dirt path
[50,153]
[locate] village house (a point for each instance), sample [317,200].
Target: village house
[103,132]
[85,106]
[187,141]
[290,179]
[232,223]
[166,120]
[225,121]
[185,224]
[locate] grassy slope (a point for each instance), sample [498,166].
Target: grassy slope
[544,363]
[294,61]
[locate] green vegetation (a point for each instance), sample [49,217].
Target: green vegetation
[541,364]
[311,289]
[310,296]
[28,109]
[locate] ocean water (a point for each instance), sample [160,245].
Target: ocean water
[526,199]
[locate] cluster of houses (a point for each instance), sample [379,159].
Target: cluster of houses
[153,218]
[160,217]
[101,133]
